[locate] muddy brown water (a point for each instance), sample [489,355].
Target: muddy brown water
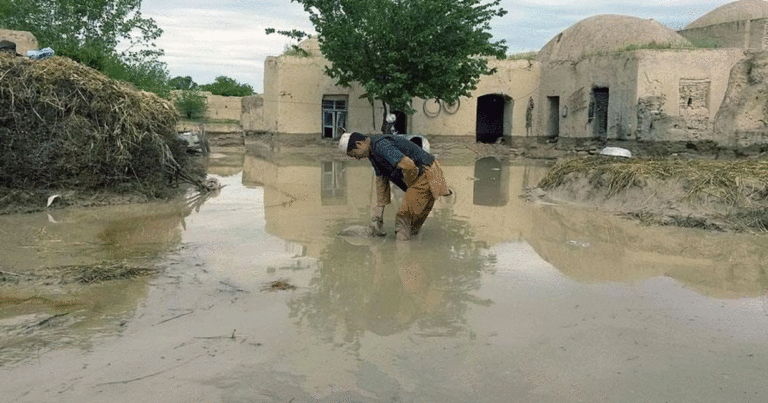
[498,300]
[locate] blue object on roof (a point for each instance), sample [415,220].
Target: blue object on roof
[40,54]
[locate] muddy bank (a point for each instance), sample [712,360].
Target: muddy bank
[708,194]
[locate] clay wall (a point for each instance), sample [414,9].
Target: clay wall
[252,114]
[223,108]
[516,81]
[680,92]
[294,91]
[746,34]
[580,88]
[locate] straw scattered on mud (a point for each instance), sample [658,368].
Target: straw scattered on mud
[710,194]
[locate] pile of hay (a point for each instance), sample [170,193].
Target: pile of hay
[65,125]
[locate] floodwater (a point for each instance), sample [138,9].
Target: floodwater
[498,300]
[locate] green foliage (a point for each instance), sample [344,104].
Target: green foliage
[653,45]
[401,49]
[191,104]
[295,51]
[90,32]
[705,43]
[182,83]
[523,56]
[150,75]
[227,87]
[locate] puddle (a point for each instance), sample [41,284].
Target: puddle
[257,299]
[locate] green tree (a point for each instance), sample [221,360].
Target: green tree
[182,83]
[227,87]
[401,49]
[191,103]
[111,36]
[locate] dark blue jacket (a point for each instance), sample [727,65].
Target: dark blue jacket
[388,150]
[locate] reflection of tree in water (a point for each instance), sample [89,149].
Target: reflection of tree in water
[387,287]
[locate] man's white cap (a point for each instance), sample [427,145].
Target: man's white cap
[344,142]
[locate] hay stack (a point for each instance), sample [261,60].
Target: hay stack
[63,124]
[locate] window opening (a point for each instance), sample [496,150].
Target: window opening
[334,116]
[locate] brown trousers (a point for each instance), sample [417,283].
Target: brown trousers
[418,201]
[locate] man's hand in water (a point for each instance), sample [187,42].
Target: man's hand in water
[377,221]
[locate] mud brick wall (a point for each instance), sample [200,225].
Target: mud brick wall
[223,108]
[252,114]
[748,34]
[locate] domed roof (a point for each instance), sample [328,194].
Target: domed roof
[606,33]
[736,11]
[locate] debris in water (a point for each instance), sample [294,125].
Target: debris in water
[580,244]
[51,199]
[278,285]
[100,272]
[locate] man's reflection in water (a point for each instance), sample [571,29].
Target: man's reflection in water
[402,293]
[383,287]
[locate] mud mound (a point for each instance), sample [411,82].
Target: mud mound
[708,194]
[64,125]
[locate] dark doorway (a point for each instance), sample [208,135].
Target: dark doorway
[553,126]
[600,123]
[489,189]
[490,118]
[401,124]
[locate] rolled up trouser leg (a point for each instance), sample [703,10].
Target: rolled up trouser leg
[417,203]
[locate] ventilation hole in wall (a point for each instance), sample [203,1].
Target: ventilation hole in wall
[690,101]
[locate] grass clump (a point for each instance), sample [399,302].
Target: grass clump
[530,56]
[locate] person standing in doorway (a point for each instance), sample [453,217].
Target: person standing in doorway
[396,159]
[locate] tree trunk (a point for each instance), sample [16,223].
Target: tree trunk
[386,128]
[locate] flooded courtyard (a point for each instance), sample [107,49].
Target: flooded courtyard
[252,296]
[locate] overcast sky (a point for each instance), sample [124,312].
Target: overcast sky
[206,39]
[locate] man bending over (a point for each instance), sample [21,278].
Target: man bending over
[405,164]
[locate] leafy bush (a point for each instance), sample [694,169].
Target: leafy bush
[228,87]
[191,104]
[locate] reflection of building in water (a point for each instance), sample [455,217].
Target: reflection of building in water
[309,203]
[596,248]
[491,182]
[334,185]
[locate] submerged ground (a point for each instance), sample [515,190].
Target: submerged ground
[499,300]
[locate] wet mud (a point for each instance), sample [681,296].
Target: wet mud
[253,295]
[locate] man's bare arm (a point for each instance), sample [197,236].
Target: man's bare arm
[383,197]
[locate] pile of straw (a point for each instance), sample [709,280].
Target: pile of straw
[735,182]
[63,124]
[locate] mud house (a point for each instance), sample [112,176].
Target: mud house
[23,40]
[603,78]
[300,100]
[741,24]
[607,77]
